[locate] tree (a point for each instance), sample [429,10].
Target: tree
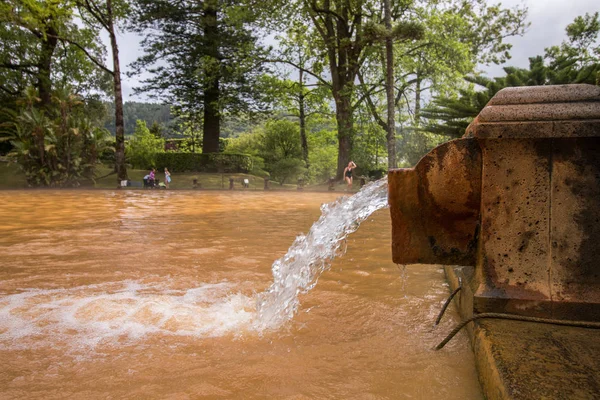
[323,156]
[31,32]
[106,13]
[577,60]
[345,31]
[202,57]
[571,62]
[149,112]
[143,147]
[282,140]
[389,85]
[447,48]
[45,47]
[282,151]
[297,97]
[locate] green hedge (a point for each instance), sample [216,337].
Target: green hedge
[209,162]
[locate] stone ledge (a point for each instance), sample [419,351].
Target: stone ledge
[540,112]
[524,360]
[535,129]
[546,94]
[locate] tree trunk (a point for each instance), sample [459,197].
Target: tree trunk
[345,123]
[340,27]
[212,115]
[421,138]
[120,167]
[418,100]
[44,82]
[389,87]
[302,113]
[212,118]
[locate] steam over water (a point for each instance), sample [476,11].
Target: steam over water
[174,294]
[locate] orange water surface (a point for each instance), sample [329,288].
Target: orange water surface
[152,295]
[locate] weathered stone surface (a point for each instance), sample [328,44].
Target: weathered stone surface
[575,228]
[444,187]
[526,360]
[522,361]
[535,129]
[515,218]
[537,221]
[546,94]
[540,112]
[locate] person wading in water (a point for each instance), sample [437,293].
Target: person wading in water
[348,174]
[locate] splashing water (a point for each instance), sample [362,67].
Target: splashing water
[298,270]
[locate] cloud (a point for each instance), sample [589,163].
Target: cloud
[548,18]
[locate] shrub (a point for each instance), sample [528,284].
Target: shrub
[204,162]
[287,168]
[59,146]
[141,150]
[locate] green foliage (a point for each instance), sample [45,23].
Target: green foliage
[274,148]
[141,150]
[38,48]
[577,60]
[450,115]
[414,144]
[281,150]
[202,58]
[369,145]
[58,147]
[322,156]
[572,62]
[286,169]
[251,145]
[209,162]
[281,140]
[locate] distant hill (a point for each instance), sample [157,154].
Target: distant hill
[232,126]
[149,112]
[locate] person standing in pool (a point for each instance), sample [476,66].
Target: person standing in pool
[348,174]
[167,177]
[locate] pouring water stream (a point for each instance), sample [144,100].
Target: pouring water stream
[299,269]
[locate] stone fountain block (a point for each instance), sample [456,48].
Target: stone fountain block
[445,188]
[518,197]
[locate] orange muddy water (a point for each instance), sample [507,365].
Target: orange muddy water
[135,294]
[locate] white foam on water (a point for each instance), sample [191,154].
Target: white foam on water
[110,313]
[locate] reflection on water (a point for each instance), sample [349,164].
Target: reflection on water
[152,295]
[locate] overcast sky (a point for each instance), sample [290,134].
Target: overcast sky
[548,20]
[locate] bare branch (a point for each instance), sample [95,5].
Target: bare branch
[92,58]
[324,82]
[372,107]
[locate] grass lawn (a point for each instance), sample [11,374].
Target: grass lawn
[11,177]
